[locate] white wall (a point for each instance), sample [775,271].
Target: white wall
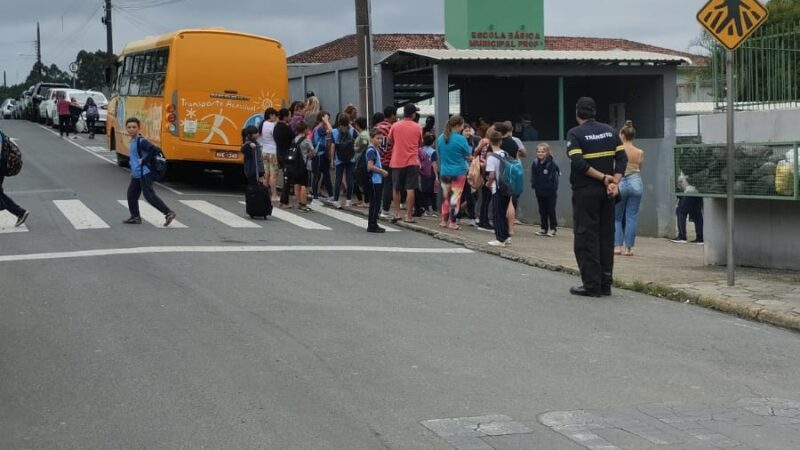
[753,126]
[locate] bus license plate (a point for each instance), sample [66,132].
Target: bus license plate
[228,155]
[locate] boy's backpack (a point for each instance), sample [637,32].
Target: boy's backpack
[425,163]
[92,113]
[158,165]
[11,157]
[510,175]
[346,146]
[362,175]
[294,156]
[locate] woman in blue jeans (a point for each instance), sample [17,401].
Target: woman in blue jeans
[630,190]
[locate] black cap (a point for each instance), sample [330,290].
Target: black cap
[310,94]
[409,110]
[586,108]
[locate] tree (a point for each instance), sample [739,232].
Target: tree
[41,72]
[91,69]
[783,11]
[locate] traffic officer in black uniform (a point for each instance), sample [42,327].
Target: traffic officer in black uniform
[598,163]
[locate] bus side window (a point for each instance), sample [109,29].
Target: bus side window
[146,79]
[125,76]
[136,71]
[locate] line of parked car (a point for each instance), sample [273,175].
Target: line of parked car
[38,104]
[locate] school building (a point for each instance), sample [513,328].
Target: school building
[518,76]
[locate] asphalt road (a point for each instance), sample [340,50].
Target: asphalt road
[212,336]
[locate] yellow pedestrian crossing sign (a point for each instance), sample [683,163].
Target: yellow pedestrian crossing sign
[731,22]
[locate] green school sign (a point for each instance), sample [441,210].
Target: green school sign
[495,25]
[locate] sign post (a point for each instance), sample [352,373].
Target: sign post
[731,22]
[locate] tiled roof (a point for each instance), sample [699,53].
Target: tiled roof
[345,47]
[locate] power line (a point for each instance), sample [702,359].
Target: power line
[145,4]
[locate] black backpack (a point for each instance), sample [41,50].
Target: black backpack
[294,156]
[346,147]
[361,174]
[158,165]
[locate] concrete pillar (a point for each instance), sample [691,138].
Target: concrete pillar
[441,93]
[664,186]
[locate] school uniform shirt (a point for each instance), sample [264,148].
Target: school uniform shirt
[375,157]
[493,165]
[453,155]
[138,169]
[252,161]
[266,139]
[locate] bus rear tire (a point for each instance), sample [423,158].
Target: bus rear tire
[123,161]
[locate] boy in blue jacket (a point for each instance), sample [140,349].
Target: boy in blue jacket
[544,181]
[142,155]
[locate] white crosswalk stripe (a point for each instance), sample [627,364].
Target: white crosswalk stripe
[79,215]
[296,220]
[152,216]
[219,214]
[7,222]
[349,218]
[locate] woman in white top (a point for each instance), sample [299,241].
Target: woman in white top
[269,150]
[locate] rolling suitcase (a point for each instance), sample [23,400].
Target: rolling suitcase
[257,198]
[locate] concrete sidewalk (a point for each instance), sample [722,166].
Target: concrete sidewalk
[659,267]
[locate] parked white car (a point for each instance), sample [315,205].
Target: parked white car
[8,107]
[80,96]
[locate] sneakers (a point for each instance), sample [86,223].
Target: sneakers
[696,242]
[679,241]
[376,230]
[347,203]
[385,215]
[339,205]
[551,233]
[488,229]
[304,208]
[541,233]
[317,202]
[169,218]
[402,206]
[21,219]
[496,243]
[133,221]
[473,223]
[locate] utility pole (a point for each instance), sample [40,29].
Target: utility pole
[109,44]
[5,83]
[38,49]
[364,46]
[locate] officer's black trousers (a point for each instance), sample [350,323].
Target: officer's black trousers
[593,215]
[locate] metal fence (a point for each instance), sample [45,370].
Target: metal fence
[767,70]
[762,171]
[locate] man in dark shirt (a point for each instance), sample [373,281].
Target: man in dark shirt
[283,136]
[598,163]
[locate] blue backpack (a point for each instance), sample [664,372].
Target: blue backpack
[510,176]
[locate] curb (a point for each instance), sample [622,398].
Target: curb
[655,289]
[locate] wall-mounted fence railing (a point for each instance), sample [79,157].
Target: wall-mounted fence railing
[767,70]
[762,171]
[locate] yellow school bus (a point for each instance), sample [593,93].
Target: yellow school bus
[194,91]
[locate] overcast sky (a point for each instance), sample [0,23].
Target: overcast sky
[71,25]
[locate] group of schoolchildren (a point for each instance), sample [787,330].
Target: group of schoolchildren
[455,174]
